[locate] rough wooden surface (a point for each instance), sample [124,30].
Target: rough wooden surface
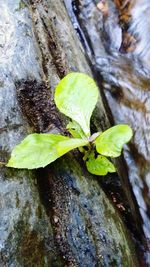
[58,216]
[125,83]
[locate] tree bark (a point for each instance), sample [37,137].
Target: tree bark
[58,216]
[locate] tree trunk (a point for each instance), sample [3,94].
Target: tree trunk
[58,216]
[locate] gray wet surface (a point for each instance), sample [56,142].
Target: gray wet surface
[58,217]
[125,80]
[26,237]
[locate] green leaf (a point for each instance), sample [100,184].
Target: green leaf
[110,142]
[76,96]
[65,146]
[100,165]
[38,150]
[75,129]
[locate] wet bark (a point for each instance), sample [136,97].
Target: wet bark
[124,82]
[58,216]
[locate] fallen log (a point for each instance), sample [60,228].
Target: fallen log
[58,216]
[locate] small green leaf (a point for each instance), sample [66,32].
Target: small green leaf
[76,96]
[65,146]
[100,165]
[110,142]
[75,130]
[38,150]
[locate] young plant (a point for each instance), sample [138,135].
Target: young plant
[75,96]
